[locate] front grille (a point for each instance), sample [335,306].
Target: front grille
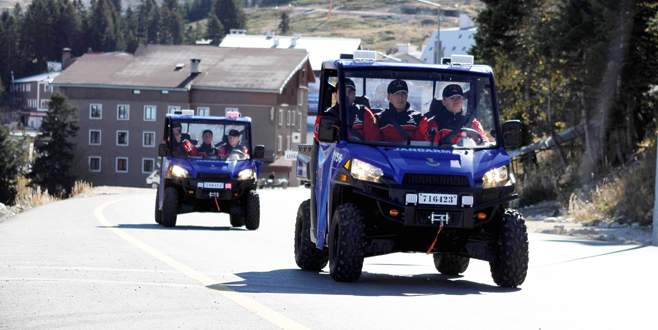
[436,180]
[214,176]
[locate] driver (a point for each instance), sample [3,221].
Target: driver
[450,116]
[206,147]
[180,144]
[225,149]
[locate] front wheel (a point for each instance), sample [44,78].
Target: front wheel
[236,220]
[252,210]
[170,207]
[510,266]
[307,255]
[346,243]
[158,213]
[450,264]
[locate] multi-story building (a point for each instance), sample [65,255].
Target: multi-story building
[31,96]
[122,100]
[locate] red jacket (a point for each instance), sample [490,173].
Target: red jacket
[382,126]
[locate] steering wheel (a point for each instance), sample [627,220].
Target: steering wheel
[472,134]
[237,154]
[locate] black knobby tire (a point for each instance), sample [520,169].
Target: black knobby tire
[346,243]
[307,256]
[170,207]
[236,220]
[252,210]
[158,213]
[450,263]
[510,266]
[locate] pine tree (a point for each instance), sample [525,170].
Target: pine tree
[52,168]
[103,30]
[9,166]
[230,13]
[284,25]
[215,30]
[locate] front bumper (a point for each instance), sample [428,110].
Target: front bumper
[222,189]
[462,215]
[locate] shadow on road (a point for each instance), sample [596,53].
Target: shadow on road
[158,227]
[295,281]
[591,242]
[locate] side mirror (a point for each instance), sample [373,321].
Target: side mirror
[512,134]
[259,152]
[328,129]
[163,150]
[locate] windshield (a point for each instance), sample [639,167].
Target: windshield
[438,110]
[209,140]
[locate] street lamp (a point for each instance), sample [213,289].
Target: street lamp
[438,51]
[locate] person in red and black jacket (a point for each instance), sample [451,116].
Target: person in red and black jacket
[355,114]
[447,116]
[398,123]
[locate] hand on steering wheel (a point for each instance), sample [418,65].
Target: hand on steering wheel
[472,134]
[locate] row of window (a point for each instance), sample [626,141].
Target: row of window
[122,138]
[294,138]
[23,87]
[120,164]
[291,119]
[150,111]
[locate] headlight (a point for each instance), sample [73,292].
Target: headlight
[496,177]
[177,171]
[246,174]
[363,171]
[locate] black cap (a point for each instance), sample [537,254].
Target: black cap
[349,83]
[234,132]
[452,89]
[206,131]
[396,86]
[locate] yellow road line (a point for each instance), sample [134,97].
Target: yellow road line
[247,303]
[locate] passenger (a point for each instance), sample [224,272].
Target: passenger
[355,114]
[447,116]
[225,149]
[206,147]
[398,123]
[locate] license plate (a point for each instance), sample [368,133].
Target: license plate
[211,185]
[437,199]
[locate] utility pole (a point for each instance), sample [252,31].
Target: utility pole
[655,200]
[438,49]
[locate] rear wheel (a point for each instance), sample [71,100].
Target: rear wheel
[346,243]
[237,220]
[450,264]
[307,255]
[169,207]
[252,210]
[510,266]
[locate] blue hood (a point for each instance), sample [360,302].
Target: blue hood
[396,162]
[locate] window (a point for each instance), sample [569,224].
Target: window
[123,112]
[28,87]
[288,123]
[148,164]
[94,137]
[288,142]
[280,117]
[121,164]
[299,115]
[149,112]
[122,138]
[172,108]
[272,114]
[95,111]
[94,164]
[44,104]
[292,121]
[280,143]
[203,111]
[148,139]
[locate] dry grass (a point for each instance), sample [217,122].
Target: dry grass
[80,187]
[626,195]
[28,197]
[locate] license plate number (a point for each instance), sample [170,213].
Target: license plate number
[211,185]
[437,199]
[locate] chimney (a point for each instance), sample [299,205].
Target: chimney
[66,57]
[194,67]
[293,41]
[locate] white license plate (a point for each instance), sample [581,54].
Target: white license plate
[437,199]
[212,185]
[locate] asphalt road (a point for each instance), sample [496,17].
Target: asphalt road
[102,262]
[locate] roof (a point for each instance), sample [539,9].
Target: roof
[319,49]
[48,76]
[355,64]
[154,66]
[453,41]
